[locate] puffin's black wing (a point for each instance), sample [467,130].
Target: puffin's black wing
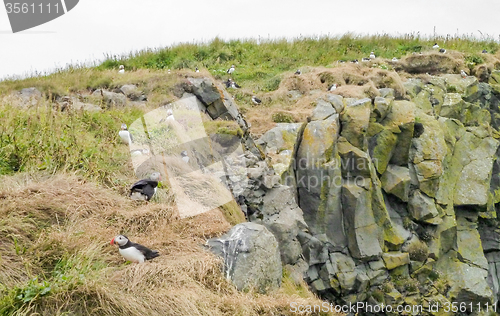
[148,253]
[149,189]
[139,185]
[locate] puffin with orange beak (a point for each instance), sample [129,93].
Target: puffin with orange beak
[132,251]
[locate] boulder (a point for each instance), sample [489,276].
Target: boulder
[251,257]
[110,98]
[396,181]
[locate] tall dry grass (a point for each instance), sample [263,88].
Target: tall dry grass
[56,258]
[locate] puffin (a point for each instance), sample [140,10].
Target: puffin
[170,116]
[125,134]
[132,251]
[256,100]
[230,70]
[145,189]
[463,73]
[442,50]
[484,51]
[332,87]
[436,46]
[185,156]
[122,69]
[394,59]
[298,72]
[197,70]
[372,55]
[365,59]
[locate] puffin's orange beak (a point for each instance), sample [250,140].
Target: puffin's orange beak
[112,241]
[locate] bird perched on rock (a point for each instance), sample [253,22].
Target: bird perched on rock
[184,155]
[436,46]
[442,50]
[298,72]
[196,70]
[463,73]
[122,69]
[145,189]
[256,100]
[132,251]
[125,135]
[230,70]
[372,55]
[332,87]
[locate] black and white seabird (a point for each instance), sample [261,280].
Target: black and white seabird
[170,116]
[125,135]
[436,46]
[365,59]
[355,61]
[332,87]
[132,251]
[484,51]
[372,55]
[185,157]
[122,69]
[394,59]
[298,72]
[463,73]
[230,70]
[145,189]
[197,70]
[256,100]
[442,50]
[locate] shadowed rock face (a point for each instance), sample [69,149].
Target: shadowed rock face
[401,194]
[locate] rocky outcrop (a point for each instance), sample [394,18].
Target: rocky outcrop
[381,200]
[251,257]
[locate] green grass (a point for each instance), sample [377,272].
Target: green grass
[41,139]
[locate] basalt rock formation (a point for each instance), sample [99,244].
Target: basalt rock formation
[382,200]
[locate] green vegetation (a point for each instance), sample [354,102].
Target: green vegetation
[64,176]
[40,138]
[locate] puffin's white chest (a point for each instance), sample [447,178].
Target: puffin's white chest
[132,254]
[125,136]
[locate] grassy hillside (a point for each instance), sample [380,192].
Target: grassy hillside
[64,174]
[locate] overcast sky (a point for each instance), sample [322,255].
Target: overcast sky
[98,27]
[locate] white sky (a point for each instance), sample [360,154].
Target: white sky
[98,27]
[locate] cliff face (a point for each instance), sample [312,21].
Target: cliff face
[400,196]
[388,200]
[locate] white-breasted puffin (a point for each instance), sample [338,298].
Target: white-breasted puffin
[256,100]
[185,157]
[333,87]
[125,135]
[372,55]
[122,69]
[230,70]
[463,74]
[145,189]
[132,251]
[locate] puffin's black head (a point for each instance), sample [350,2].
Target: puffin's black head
[121,240]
